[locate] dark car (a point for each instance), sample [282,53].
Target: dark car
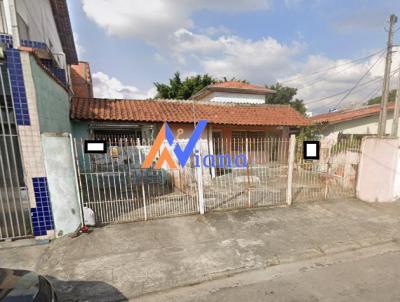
[21,286]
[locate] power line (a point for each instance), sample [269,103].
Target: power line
[331,67]
[359,81]
[344,91]
[324,79]
[369,96]
[341,92]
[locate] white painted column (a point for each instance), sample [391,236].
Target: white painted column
[292,148]
[199,179]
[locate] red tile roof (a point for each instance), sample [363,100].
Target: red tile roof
[233,86]
[237,84]
[182,112]
[348,114]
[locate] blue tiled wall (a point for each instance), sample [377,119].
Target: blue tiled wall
[60,74]
[42,216]
[18,86]
[33,44]
[7,40]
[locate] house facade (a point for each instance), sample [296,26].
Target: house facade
[232,129]
[357,122]
[233,92]
[142,119]
[37,185]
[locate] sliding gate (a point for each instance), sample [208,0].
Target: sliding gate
[117,189]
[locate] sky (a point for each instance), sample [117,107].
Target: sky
[132,44]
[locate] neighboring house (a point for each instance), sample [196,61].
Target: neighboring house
[37,185]
[233,92]
[352,122]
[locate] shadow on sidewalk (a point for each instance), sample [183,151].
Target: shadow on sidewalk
[74,291]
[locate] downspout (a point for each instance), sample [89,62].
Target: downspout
[14,24]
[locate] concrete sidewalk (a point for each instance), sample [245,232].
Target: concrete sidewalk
[129,260]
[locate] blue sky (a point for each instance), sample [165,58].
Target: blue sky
[131,44]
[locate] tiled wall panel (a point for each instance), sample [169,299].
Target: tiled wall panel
[18,86]
[42,218]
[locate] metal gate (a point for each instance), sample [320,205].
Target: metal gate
[262,182]
[14,205]
[334,175]
[117,189]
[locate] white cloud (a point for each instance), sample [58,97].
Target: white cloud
[215,30]
[105,86]
[260,61]
[266,61]
[153,20]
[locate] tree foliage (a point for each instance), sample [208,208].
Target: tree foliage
[183,89]
[285,96]
[377,100]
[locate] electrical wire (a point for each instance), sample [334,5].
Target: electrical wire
[359,81]
[332,67]
[321,79]
[342,92]
[362,85]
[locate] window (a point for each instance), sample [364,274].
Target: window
[239,139]
[115,135]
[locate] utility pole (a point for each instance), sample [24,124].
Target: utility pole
[395,125]
[386,79]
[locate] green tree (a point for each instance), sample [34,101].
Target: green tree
[285,95]
[183,90]
[377,100]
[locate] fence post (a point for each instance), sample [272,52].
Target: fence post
[199,178]
[138,145]
[248,173]
[292,147]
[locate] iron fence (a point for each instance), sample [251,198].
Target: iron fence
[221,174]
[334,175]
[14,204]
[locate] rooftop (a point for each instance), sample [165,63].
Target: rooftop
[184,112]
[348,114]
[233,87]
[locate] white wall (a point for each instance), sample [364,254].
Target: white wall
[379,170]
[38,16]
[225,97]
[366,125]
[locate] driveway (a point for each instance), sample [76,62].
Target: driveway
[147,259]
